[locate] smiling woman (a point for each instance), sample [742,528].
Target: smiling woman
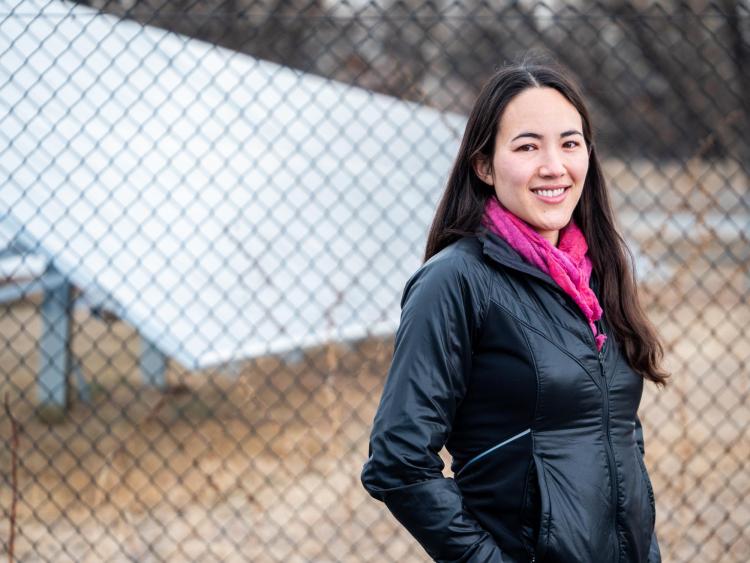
[538,174]
[522,349]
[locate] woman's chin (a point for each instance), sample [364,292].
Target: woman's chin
[550,224]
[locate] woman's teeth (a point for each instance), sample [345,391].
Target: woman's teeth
[550,193]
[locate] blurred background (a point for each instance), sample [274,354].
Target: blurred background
[208,210]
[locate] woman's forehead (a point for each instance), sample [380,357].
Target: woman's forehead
[542,111]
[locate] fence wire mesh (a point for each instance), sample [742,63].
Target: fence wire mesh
[208,210]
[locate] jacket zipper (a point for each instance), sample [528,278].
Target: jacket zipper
[609,448]
[605,412]
[492,449]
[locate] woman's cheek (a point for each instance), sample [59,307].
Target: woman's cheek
[516,176]
[581,167]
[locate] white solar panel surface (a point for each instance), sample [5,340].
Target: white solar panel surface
[225,206]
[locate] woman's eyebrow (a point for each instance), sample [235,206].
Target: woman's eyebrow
[538,136]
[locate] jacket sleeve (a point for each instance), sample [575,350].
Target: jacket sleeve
[440,314]
[654,554]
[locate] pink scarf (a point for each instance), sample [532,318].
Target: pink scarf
[566,263]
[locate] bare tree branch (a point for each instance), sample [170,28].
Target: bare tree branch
[699,121]
[741,59]
[565,56]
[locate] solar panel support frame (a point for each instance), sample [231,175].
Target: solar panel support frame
[54,345]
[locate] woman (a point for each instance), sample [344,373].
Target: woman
[522,348]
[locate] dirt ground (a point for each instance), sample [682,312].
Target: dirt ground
[260,462]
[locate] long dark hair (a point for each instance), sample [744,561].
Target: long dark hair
[460,210]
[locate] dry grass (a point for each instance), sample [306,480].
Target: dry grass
[698,440]
[258,465]
[263,465]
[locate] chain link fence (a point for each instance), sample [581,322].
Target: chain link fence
[208,210]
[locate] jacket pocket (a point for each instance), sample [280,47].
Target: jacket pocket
[530,510]
[647,481]
[545,512]
[493,449]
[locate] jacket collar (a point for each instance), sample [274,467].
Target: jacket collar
[497,250]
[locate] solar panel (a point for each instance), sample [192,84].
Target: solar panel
[223,205]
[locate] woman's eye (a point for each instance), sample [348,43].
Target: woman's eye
[571,144]
[526,148]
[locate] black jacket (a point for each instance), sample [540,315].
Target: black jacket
[495,361]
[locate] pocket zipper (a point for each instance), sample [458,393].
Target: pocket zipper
[493,448]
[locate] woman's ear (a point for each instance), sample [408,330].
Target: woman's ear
[481,166]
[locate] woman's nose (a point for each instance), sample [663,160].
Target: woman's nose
[552,166]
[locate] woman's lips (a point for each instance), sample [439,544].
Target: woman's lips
[551,195]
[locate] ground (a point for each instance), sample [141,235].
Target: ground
[261,462]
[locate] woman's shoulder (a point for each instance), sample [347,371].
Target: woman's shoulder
[461,256]
[468,248]
[458,266]
[452,284]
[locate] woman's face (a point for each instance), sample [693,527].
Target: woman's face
[540,160]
